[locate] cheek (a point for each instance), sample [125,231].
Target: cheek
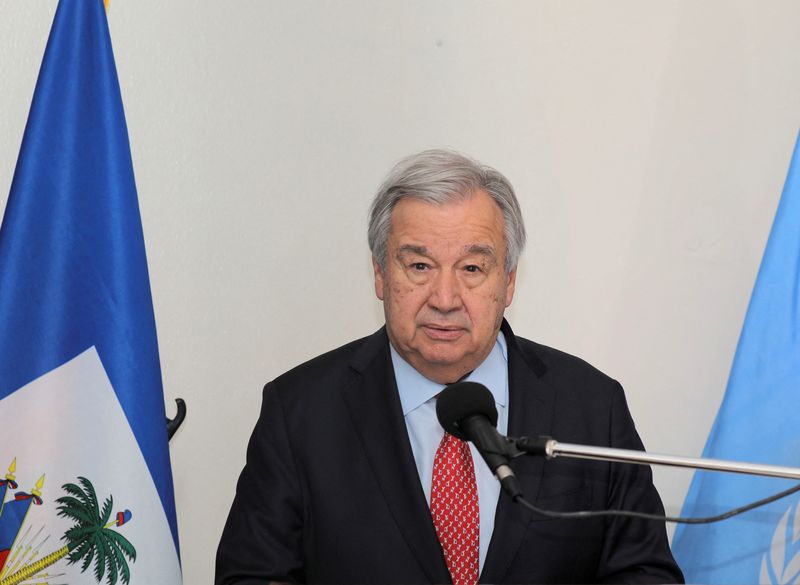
[404,298]
[486,309]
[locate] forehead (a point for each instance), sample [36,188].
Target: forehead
[469,220]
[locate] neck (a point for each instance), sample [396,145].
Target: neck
[445,373]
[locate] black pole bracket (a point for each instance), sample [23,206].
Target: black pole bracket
[174,423]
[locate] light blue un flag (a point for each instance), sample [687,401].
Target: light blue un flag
[84,464]
[759,421]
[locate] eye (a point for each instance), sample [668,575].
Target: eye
[472,268]
[419,266]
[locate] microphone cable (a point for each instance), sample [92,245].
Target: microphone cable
[643,516]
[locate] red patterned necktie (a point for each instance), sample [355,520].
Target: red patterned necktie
[454,508]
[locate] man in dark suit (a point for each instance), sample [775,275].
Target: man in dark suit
[349,478]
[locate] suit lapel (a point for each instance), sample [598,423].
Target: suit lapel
[375,410]
[531,403]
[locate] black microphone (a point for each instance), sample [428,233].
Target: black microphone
[466,410]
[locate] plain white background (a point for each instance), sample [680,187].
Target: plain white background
[648,143]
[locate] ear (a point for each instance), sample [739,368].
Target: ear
[511,286]
[379,281]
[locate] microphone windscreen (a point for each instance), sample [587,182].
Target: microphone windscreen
[463,400]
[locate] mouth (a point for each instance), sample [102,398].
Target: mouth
[442,332]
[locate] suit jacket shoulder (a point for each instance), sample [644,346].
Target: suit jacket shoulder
[571,373]
[334,368]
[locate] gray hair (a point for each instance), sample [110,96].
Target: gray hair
[441,176]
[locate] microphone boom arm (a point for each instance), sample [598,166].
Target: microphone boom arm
[550,448]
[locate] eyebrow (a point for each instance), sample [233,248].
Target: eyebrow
[412,249]
[480,249]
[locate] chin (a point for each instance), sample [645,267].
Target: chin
[443,358]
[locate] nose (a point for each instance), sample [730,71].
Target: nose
[445,294]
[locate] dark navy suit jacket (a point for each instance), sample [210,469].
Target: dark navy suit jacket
[330,492]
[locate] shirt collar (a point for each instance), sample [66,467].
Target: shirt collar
[415,389]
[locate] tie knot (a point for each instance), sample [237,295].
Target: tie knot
[452,444]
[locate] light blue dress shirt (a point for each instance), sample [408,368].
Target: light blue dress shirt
[418,399]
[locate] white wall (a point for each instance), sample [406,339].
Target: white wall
[648,143]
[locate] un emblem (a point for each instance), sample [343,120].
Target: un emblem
[781,564]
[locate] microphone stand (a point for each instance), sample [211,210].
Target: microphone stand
[550,448]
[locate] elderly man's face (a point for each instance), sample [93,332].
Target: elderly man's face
[444,287]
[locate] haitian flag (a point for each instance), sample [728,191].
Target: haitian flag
[757,422]
[88,495]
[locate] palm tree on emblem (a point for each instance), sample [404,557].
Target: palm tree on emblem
[91,538]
